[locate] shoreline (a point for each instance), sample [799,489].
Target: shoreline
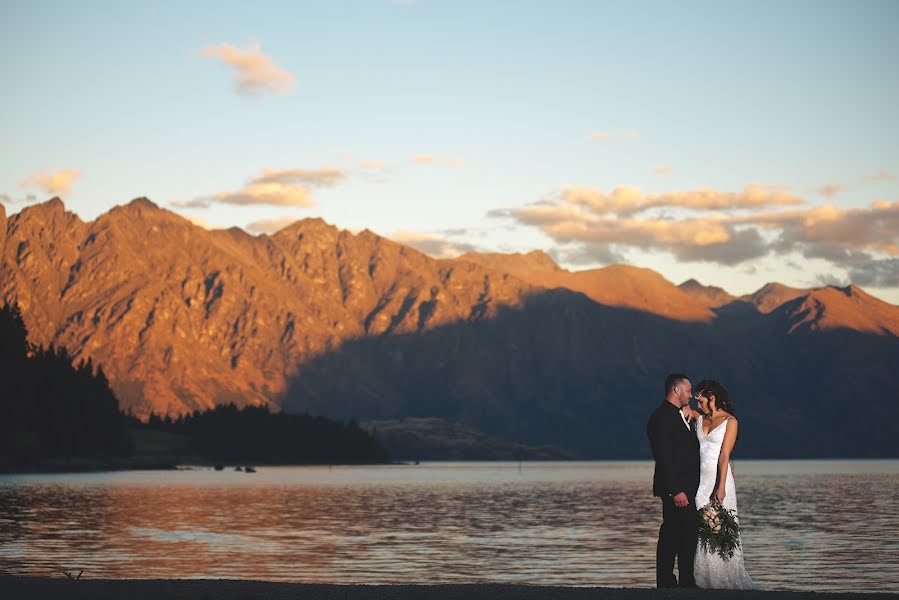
[147,463]
[15,587]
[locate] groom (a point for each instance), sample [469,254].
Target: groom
[676,480]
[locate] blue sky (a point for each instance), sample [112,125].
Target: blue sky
[497,126]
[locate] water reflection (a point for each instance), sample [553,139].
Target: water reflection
[813,526]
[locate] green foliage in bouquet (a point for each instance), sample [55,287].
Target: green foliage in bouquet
[719,530]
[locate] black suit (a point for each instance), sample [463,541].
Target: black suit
[676,452]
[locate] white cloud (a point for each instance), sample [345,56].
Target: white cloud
[879,176]
[322,177]
[431,244]
[607,136]
[199,222]
[56,182]
[615,222]
[371,164]
[829,190]
[270,225]
[663,171]
[274,187]
[255,72]
[433,159]
[272,194]
[628,200]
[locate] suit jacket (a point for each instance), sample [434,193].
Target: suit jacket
[676,452]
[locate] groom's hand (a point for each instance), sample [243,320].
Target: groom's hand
[681,501]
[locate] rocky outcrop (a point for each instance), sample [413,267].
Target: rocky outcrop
[710,295]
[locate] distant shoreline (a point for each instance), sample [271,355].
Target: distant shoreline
[13,588]
[102,466]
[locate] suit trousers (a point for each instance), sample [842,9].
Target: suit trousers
[677,538]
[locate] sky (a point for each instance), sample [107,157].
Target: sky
[737,143]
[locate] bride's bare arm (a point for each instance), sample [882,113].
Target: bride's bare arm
[730,438]
[691,414]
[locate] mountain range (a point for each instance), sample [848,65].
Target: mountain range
[316,319]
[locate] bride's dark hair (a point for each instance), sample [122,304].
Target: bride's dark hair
[710,387]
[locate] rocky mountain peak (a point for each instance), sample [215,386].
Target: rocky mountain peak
[44,210]
[710,295]
[308,226]
[772,295]
[848,308]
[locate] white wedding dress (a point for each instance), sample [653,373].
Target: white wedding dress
[710,570]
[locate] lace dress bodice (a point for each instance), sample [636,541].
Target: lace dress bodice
[710,570]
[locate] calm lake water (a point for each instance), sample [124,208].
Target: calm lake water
[808,525]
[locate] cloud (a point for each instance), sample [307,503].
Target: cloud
[874,229]
[863,268]
[708,239]
[663,171]
[7,199]
[371,164]
[867,271]
[879,176]
[603,223]
[629,200]
[606,136]
[272,194]
[284,187]
[270,225]
[199,222]
[323,177]
[586,254]
[431,244]
[255,72]
[432,159]
[830,190]
[57,182]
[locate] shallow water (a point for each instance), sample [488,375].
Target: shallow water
[808,525]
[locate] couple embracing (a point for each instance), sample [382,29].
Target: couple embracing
[692,454]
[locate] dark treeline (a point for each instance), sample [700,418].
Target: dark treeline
[254,434]
[51,408]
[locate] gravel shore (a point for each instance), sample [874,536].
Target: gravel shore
[14,588]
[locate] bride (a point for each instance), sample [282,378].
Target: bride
[716,429]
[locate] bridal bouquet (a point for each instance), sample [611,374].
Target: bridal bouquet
[719,530]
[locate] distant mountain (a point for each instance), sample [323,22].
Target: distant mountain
[616,285]
[319,320]
[772,295]
[848,308]
[709,295]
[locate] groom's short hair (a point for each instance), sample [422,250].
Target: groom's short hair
[672,380]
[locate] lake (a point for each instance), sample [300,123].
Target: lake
[808,525]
